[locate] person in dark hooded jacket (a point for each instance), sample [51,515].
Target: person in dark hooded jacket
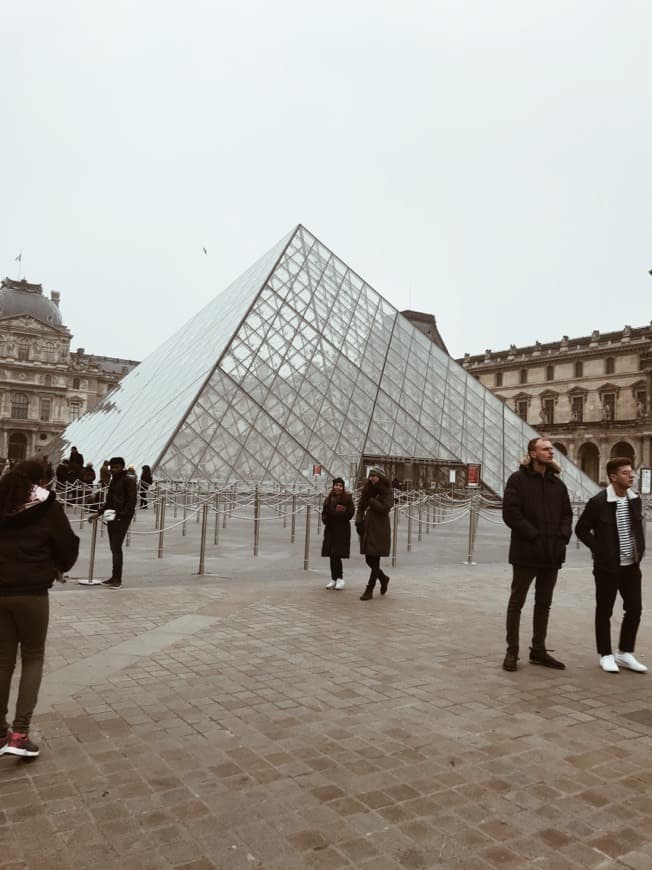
[36,544]
[336,515]
[537,509]
[373,527]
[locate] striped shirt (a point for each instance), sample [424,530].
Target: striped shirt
[624,526]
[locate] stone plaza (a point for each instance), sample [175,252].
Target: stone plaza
[248,718]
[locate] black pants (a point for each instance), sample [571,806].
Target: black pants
[376,571]
[543,589]
[336,567]
[117,530]
[23,624]
[608,584]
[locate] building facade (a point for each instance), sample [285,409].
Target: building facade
[43,386]
[591,396]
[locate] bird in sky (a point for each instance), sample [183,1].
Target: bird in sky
[204,250]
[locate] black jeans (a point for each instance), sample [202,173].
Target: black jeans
[608,584]
[336,567]
[23,623]
[376,571]
[117,530]
[543,589]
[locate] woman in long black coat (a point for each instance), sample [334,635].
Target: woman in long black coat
[336,515]
[372,524]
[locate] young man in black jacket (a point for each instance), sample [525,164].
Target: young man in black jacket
[121,500]
[537,509]
[611,526]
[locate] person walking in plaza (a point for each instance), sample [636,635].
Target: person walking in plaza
[36,544]
[121,501]
[611,526]
[337,513]
[537,509]
[105,474]
[372,525]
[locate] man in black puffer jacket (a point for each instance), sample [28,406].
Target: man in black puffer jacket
[121,501]
[537,509]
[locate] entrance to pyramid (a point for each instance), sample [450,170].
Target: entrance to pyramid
[415,472]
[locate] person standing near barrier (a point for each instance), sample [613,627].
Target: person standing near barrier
[372,525]
[146,480]
[611,526]
[36,544]
[537,509]
[336,515]
[121,501]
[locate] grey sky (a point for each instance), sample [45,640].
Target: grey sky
[489,162]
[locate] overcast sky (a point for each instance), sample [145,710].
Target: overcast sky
[488,161]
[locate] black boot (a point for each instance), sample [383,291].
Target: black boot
[368,594]
[384,583]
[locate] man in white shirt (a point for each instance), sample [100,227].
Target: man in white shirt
[611,526]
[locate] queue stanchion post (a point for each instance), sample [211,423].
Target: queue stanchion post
[293,522]
[90,580]
[306,550]
[216,530]
[473,523]
[396,512]
[202,548]
[256,521]
[161,530]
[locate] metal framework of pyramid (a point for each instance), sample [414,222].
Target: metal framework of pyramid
[300,362]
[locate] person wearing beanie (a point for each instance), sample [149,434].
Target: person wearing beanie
[121,499]
[372,525]
[336,515]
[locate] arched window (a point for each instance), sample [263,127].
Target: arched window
[49,351]
[23,348]
[17,446]
[19,406]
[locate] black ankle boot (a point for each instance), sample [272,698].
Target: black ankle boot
[384,583]
[368,594]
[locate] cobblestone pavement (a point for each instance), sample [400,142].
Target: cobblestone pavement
[255,720]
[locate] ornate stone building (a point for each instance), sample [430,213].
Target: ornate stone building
[591,396]
[43,386]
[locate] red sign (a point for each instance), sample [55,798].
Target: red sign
[473,476]
[316,470]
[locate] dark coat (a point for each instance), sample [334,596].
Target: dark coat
[121,496]
[35,544]
[537,509]
[372,518]
[598,530]
[336,515]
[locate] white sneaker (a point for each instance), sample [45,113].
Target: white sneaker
[331,585]
[628,660]
[339,584]
[608,664]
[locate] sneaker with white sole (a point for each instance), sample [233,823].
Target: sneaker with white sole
[608,664]
[21,745]
[331,585]
[628,660]
[339,584]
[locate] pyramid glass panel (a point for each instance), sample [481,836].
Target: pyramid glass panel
[300,362]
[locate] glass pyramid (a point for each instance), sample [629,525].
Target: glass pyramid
[300,362]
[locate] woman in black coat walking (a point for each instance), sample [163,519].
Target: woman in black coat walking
[36,543]
[372,524]
[336,515]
